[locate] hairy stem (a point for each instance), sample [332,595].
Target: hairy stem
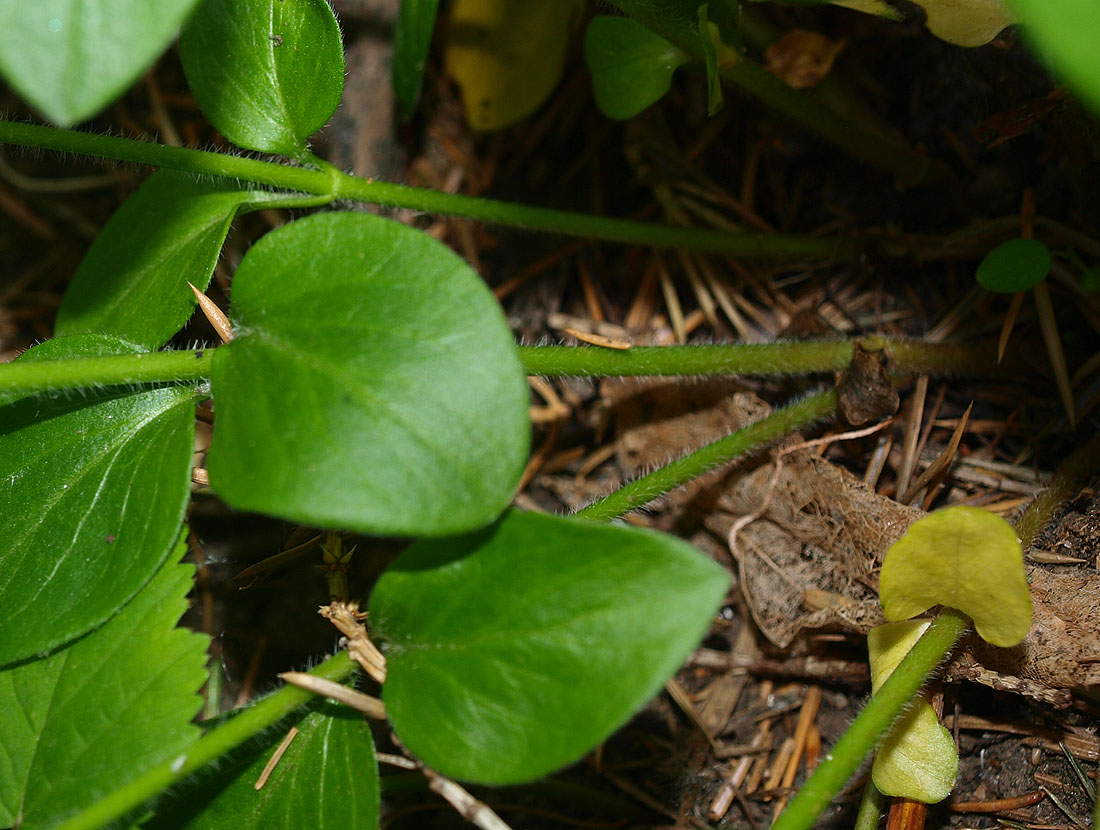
[334,184]
[860,739]
[770,428]
[211,746]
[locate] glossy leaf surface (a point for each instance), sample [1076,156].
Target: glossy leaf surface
[631,66]
[412,38]
[514,650]
[92,717]
[373,383]
[267,73]
[507,55]
[94,490]
[1065,33]
[1013,266]
[70,59]
[966,558]
[132,283]
[327,779]
[917,758]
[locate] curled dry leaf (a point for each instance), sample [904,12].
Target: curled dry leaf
[802,58]
[812,559]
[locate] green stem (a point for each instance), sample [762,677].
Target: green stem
[333,184]
[881,710]
[21,378]
[871,807]
[794,358]
[209,747]
[645,489]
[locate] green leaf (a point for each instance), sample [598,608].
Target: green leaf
[917,758]
[93,492]
[326,780]
[631,66]
[965,558]
[70,60]
[373,383]
[1014,266]
[512,651]
[92,717]
[710,39]
[132,283]
[267,73]
[412,37]
[1065,33]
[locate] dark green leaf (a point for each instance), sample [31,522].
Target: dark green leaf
[411,40]
[708,36]
[93,493]
[326,780]
[69,60]
[267,73]
[1066,35]
[133,281]
[373,383]
[675,20]
[631,67]
[95,715]
[514,650]
[1013,266]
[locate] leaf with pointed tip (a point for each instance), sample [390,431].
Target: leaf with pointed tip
[373,383]
[512,651]
[966,558]
[412,37]
[917,758]
[93,716]
[267,73]
[631,66]
[70,60]
[92,493]
[327,779]
[132,283]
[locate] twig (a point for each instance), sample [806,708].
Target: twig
[370,706]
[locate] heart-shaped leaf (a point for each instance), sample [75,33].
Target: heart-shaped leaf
[412,37]
[95,715]
[267,73]
[132,283]
[512,651]
[70,60]
[327,779]
[1014,266]
[94,491]
[372,385]
[966,558]
[631,66]
[917,758]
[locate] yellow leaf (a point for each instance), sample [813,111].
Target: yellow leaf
[507,55]
[962,22]
[917,758]
[965,558]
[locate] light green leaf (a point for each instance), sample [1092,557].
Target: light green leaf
[267,73]
[1065,33]
[373,383]
[917,758]
[70,59]
[710,40]
[507,55]
[132,283]
[326,780]
[631,66]
[1013,266]
[513,651]
[92,493]
[92,717]
[966,558]
[412,37]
